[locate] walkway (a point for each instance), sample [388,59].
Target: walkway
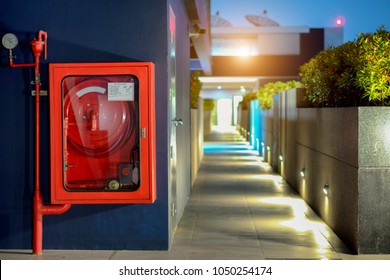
[238,209]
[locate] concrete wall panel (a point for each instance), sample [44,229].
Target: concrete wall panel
[346,149]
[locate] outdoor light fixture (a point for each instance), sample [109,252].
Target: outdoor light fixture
[281,158]
[325,189]
[196,30]
[302,173]
[262,144]
[268,148]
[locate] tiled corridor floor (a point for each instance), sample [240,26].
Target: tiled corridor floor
[238,209]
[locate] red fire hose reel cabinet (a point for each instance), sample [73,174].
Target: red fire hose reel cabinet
[102,133]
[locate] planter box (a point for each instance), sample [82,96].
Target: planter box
[347,149]
[196,142]
[207,122]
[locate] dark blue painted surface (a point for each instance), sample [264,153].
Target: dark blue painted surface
[78,31]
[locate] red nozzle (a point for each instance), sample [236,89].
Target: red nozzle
[39,44]
[43,34]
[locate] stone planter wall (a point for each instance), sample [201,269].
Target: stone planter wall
[243,117]
[326,148]
[207,122]
[269,123]
[347,149]
[196,141]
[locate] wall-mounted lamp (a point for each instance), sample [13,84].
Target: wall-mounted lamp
[325,189]
[302,173]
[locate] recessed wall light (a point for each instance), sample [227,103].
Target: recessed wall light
[325,189]
[302,173]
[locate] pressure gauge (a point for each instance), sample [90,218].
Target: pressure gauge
[10,41]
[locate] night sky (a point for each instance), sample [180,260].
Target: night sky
[360,16]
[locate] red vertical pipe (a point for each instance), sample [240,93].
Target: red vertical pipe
[37,199]
[39,209]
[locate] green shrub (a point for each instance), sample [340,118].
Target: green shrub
[353,74]
[265,94]
[329,77]
[246,99]
[373,75]
[195,87]
[208,104]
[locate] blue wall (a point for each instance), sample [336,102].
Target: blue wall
[78,31]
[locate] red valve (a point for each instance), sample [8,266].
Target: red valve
[126,171]
[94,121]
[39,44]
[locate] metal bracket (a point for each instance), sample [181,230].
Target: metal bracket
[41,93]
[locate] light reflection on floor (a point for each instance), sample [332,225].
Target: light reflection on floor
[300,221]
